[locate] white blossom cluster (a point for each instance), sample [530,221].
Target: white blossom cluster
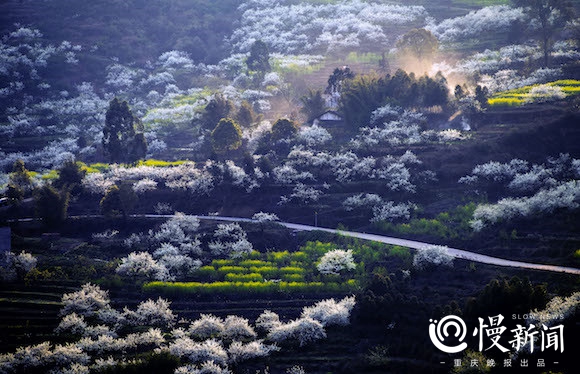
[175,59]
[496,171]
[545,93]
[231,240]
[313,135]
[287,27]
[347,166]
[329,312]
[563,196]
[311,325]
[495,18]
[262,217]
[207,345]
[522,178]
[382,210]
[392,126]
[301,194]
[23,55]
[432,255]
[16,264]
[173,243]
[508,79]
[181,177]
[336,261]
[501,69]
[53,155]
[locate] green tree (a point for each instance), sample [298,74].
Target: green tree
[119,136]
[419,43]
[284,128]
[137,148]
[313,104]
[258,62]
[459,92]
[217,108]
[51,205]
[14,193]
[70,176]
[336,79]
[227,136]
[259,58]
[361,96]
[245,115]
[481,95]
[20,176]
[119,200]
[551,15]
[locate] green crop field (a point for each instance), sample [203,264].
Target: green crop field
[523,95]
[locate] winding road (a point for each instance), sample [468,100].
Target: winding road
[457,253]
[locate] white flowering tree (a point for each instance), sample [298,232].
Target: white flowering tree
[329,312]
[303,330]
[201,349]
[432,255]
[142,264]
[230,239]
[336,261]
[86,302]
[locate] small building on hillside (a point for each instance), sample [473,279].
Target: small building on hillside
[329,118]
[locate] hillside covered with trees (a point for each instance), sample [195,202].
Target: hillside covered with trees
[131,130]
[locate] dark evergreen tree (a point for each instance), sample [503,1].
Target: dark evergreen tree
[218,107]
[20,176]
[459,92]
[338,76]
[481,95]
[119,200]
[51,205]
[245,115]
[14,193]
[70,176]
[119,135]
[259,58]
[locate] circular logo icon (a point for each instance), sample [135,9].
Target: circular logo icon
[439,332]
